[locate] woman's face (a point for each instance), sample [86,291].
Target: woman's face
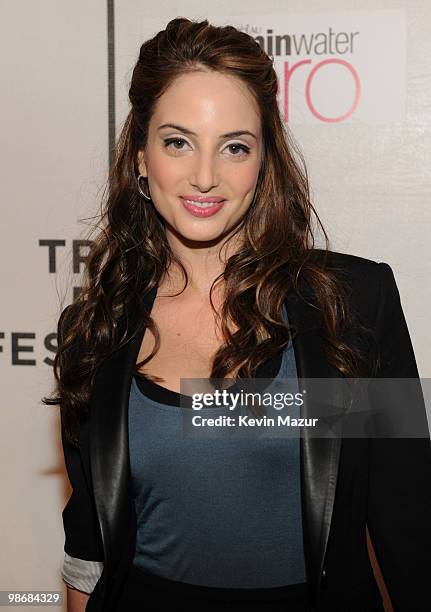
[204,141]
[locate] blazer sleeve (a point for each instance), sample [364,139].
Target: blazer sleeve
[399,495]
[81,527]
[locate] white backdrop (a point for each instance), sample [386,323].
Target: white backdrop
[369,173]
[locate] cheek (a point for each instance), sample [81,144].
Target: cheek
[163,174]
[244,180]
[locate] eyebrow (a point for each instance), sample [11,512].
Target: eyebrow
[187,131]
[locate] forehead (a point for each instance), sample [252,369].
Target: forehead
[208,100]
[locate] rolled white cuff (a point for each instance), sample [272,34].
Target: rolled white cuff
[80,573]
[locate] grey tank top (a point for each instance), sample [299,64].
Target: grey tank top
[214,512]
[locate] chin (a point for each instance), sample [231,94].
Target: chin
[201,234]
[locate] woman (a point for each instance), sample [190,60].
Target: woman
[206,268]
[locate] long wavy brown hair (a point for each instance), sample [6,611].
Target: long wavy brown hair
[131,253]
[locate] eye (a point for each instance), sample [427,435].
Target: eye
[236,146]
[241,147]
[169,141]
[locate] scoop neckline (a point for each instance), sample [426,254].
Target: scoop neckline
[159,394]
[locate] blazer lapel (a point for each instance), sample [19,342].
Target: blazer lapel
[319,456]
[108,443]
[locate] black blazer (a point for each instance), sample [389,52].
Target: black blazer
[346,484]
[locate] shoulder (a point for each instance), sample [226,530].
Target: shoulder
[353,264]
[356,269]
[369,283]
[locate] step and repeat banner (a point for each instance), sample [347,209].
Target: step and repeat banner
[354,89]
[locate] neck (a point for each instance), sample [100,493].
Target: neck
[203,261]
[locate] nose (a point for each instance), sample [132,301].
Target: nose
[204,175]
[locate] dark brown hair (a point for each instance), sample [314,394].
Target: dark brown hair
[131,253]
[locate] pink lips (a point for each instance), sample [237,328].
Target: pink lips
[203,198]
[209,211]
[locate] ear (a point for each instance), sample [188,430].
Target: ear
[141,163]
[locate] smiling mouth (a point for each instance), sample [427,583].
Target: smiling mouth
[204,204]
[202,209]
